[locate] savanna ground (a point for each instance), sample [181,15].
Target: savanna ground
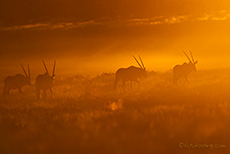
[86,116]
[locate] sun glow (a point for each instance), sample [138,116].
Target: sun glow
[98,99]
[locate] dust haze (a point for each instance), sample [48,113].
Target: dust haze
[88,49]
[89,37]
[84,92]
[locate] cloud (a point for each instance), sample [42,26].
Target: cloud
[213,16]
[71,25]
[49,26]
[159,20]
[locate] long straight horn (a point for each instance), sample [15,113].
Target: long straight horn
[137,62]
[54,68]
[192,57]
[29,70]
[187,56]
[24,70]
[143,66]
[45,66]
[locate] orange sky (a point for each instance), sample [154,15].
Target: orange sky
[99,36]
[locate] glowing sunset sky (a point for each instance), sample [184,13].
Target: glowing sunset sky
[89,34]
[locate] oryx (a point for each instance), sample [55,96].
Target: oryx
[45,81]
[131,74]
[17,81]
[183,71]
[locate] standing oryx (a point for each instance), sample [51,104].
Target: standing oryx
[45,81]
[16,82]
[182,71]
[131,74]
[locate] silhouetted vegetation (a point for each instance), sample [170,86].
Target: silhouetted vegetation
[86,116]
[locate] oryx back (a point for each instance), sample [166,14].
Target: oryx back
[183,71]
[131,73]
[16,82]
[43,82]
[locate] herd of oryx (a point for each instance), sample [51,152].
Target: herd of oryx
[44,82]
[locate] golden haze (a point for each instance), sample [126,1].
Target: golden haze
[90,40]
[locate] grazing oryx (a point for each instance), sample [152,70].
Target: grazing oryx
[16,82]
[183,71]
[131,74]
[45,81]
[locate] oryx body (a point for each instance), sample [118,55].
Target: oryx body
[44,81]
[183,71]
[17,81]
[131,74]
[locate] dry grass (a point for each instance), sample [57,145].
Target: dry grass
[86,116]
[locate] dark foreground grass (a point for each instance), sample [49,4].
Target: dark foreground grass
[86,116]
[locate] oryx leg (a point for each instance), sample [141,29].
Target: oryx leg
[38,94]
[20,91]
[138,84]
[8,92]
[115,83]
[51,92]
[175,79]
[186,80]
[45,95]
[4,92]
[131,85]
[123,85]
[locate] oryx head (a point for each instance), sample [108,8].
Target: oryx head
[28,76]
[142,67]
[192,63]
[47,72]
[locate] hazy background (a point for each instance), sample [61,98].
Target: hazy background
[85,114]
[100,36]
